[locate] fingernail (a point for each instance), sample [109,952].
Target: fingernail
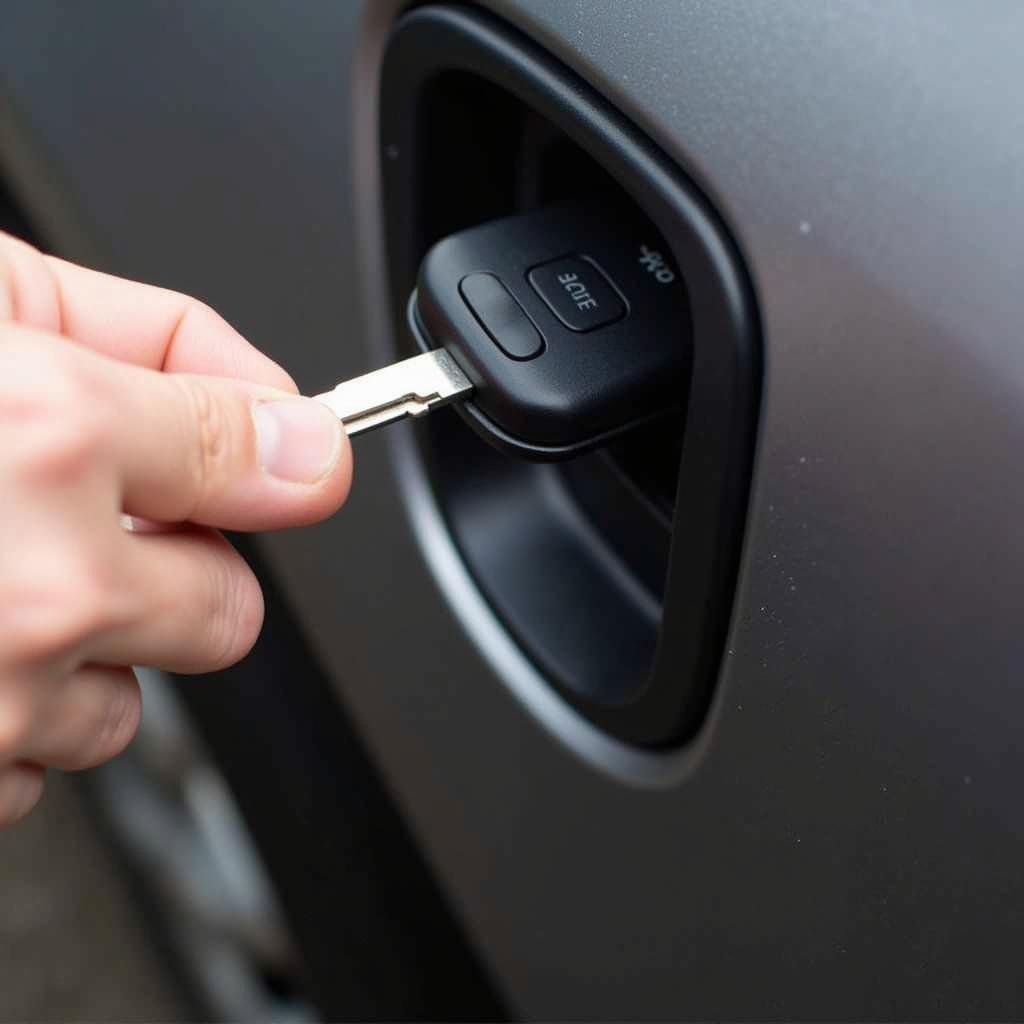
[299,439]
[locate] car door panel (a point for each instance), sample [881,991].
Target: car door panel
[842,836]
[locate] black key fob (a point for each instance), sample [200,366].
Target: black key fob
[570,321]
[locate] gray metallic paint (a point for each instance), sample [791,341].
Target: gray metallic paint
[847,841]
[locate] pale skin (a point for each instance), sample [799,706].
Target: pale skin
[120,400]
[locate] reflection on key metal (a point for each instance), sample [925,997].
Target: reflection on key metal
[409,388]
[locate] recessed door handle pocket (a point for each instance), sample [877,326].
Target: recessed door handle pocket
[609,553]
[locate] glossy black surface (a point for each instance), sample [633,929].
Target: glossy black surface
[577,291]
[498,313]
[581,388]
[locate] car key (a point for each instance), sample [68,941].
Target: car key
[553,330]
[411,387]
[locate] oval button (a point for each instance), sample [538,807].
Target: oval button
[501,316]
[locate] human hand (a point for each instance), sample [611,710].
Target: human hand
[120,399]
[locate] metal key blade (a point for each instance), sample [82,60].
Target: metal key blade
[409,388]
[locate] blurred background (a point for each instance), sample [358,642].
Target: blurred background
[74,942]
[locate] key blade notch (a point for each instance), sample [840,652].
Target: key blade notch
[411,387]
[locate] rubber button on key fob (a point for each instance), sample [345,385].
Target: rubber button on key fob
[501,316]
[577,292]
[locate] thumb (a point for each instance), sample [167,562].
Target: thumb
[228,454]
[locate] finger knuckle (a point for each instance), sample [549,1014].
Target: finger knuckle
[235,612]
[203,315]
[61,420]
[64,451]
[84,602]
[55,605]
[39,374]
[212,433]
[118,720]
[21,788]
[16,718]
[21,262]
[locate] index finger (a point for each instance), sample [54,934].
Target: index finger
[129,321]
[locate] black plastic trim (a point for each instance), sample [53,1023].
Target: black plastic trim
[723,400]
